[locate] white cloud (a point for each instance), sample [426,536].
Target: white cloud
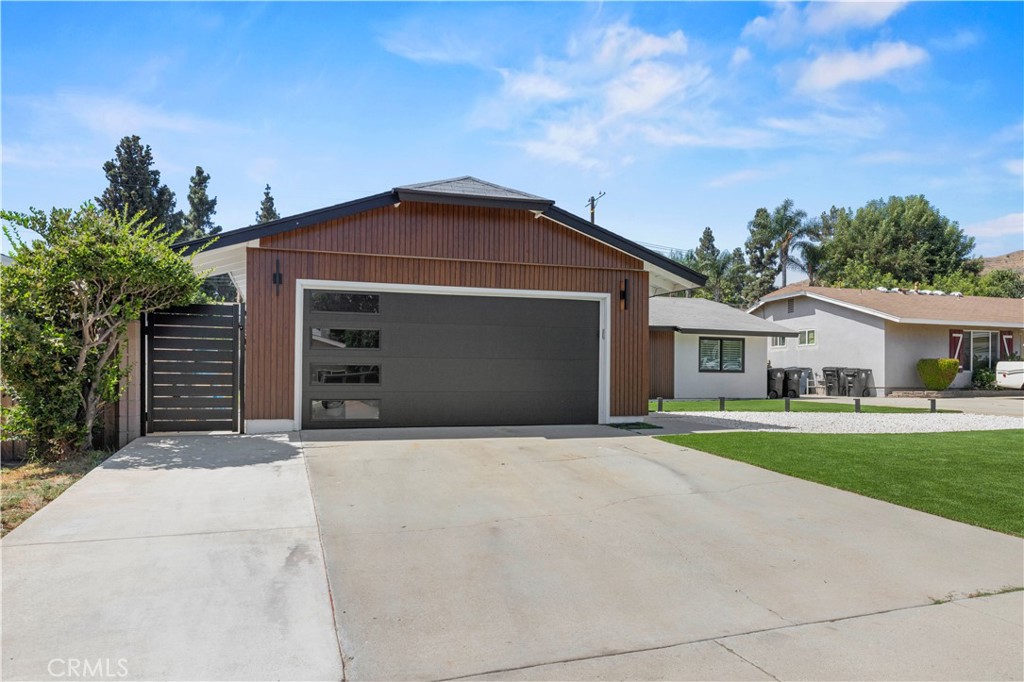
[825,126]
[789,24]
[827,17]
[961,40]
[740,56]
[1007,225]
[831,70]
[1014,166]
[115,116]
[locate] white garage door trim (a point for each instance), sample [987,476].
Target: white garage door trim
[604,354]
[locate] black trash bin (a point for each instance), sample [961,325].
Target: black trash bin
[848,382]
[793,377]
[861,386]
[776,382]
[833,386]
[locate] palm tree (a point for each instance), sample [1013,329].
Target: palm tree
[812,255]
[788,227]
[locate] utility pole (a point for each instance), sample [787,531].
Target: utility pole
[592,203]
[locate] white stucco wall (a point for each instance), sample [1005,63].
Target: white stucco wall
[844,337]
[905,344]
[690,383]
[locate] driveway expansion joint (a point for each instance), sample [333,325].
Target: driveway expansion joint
[746,660]
[158,536]
[717,639]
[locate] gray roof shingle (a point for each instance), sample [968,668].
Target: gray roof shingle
[699,316]
[468,186]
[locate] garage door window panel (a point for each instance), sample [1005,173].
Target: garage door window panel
[344,409]
[344,302]
[344,339]
[345,374]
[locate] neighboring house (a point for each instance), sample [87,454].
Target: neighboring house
[456,302]
[703,349]
[889,331]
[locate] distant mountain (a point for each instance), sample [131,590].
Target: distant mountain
[1009,261]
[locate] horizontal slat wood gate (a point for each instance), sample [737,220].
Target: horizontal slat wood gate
[194,369]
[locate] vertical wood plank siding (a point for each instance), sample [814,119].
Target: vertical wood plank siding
[662,361]
[445,246]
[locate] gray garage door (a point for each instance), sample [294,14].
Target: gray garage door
[428,360]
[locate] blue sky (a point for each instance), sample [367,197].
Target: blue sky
[686,114]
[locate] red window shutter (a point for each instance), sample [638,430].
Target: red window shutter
[1005,344]
[956,345]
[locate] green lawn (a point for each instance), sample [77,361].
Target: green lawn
[778,405]
[972,476]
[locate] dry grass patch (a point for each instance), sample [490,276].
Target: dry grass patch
[27,488]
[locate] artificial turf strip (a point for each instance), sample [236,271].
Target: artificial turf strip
[779,405]
[976,477]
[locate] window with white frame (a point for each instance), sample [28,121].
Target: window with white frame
[983,351]
[720,355]
[778,342]
[806,337]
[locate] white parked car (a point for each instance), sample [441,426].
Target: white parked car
[1010,374]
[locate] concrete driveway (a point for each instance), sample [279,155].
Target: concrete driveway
[588,553]
[515,553]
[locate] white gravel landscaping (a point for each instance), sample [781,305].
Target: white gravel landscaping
[848,422]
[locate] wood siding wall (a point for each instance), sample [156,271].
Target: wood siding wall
[444,246]
[663,366]
[456,232]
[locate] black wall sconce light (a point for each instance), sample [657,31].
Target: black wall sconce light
[278,277]
[624,294]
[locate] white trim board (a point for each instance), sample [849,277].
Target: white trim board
[604,343]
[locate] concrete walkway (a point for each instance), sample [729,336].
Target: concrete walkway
[506,553]
[180,558]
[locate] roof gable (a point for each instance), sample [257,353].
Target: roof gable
[910,307]
[465,191]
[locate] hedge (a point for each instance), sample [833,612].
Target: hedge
[937,373]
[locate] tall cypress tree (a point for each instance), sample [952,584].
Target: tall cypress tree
[134,185]
[201,208]
[762,256]
[267,210]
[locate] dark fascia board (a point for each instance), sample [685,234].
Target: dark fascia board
[621,243]
[349,208]
[428,197]
[725,332]
[245,234]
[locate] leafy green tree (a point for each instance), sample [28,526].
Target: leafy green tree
[725,270]
[201,208]
[267,210]
[997,283]
[904,239]
[134,186]
[67,299]
[762,257]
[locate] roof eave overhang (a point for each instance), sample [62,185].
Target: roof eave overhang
[962,323]
[889,317]
[676,277]
[308,219]
[726,332]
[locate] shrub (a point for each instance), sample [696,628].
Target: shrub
[984,379]
[67,299]
[937,373]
